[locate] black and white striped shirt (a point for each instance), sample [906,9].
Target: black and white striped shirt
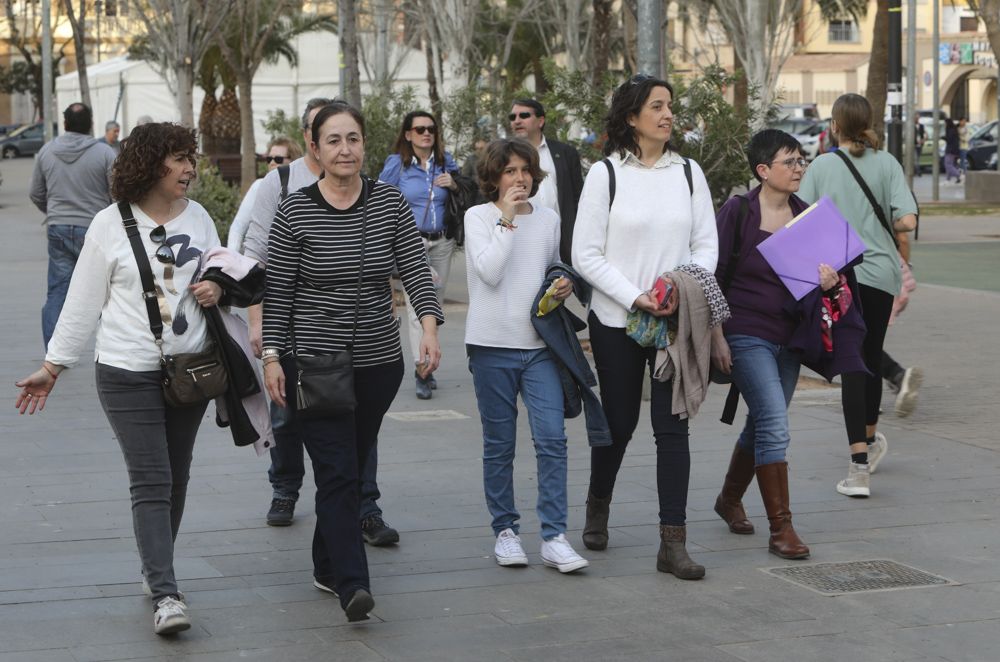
[314,253]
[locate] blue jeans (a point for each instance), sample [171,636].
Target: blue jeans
[766,375]
[499,375]
[65,244]
[288,464]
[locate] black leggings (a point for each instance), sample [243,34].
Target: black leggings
[622,365]
[861,394]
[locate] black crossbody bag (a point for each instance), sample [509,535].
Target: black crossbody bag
[325,384]
[187,379]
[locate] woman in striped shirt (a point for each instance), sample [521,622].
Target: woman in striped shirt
[314,260]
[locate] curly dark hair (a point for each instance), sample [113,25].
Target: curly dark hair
[496,157]
[628,100]
[140,164]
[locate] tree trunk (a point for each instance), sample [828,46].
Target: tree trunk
[741,91]
[348,20]
[383,10]
[248,146]
[601,45]
[185,94]
[878,68]
[79,26]
[432,88]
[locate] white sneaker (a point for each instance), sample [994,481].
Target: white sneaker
[324,587]
[508,550]
[858,481]
[559,554]
[145,588]
[909,388]
[877,451]
[169,616]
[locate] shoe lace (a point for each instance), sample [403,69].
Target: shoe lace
[283,506]
[510,545]
[373,522]
[169,606]
[560,546]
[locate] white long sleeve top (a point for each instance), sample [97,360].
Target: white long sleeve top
[241,222]
[504,269]
[106,292]
[654,225]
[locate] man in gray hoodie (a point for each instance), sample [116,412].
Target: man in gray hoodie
[70,184]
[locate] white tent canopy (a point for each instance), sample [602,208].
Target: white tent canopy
[134,89]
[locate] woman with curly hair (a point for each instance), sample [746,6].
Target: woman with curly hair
[152,175]
[660,218]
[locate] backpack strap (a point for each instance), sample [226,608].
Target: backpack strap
[283,172]
[611,181]
[737,247]
[879,212]
[145,272]
[688,176]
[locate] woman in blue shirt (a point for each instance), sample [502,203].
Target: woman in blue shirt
[422,170]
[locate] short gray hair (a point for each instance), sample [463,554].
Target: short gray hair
[112,125]
[311,105]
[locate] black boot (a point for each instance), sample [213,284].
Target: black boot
[595,530]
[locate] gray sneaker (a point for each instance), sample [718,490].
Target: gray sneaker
[858,481]
[877,451]
[909,388]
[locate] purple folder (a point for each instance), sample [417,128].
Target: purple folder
[819,234]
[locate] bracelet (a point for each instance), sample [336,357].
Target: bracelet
[270,351]
[506,224]
[54,375]
[271,359]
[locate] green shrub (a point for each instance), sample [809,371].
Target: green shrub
[219,199]
[384,110]
[278,123]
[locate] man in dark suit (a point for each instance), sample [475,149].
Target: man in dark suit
[561,192]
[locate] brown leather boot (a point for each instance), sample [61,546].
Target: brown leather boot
[773,482]
[673,556]
[729,504]
[595,530]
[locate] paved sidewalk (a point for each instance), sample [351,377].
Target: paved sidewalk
[69,572]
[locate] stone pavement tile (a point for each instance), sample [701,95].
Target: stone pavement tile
[862,645]
[346,651]
[957,642]
[103,572]
[50,655]
[621,648]
[193,642]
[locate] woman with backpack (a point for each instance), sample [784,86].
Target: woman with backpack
[868,186]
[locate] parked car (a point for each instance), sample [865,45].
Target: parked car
[806,131]
[798,111]
[983,148]
[6,129]
[25,141]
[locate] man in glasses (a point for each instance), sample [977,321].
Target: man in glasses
[560,191]
[70,184]
[287,456]
[281,151]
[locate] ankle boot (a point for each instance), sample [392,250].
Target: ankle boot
[729,504]
[673,556]
[773,482]
[595,530]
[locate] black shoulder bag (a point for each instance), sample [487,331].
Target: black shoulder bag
[325,384]
[187,379]
[879,212]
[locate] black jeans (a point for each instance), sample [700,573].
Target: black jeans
[861,394]
[622,365]
[157,442]
[339,448]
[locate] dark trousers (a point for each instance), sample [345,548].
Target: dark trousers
[861,394]
[157,442]
[622,365]
[891,370]
[339,448]
[288,468]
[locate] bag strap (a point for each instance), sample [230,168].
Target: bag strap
[361,269]
[612,183]
[879,212]
[734,253]
[145,273]
[283,174]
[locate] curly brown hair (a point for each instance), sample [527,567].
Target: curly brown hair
[140,164]
[498,154]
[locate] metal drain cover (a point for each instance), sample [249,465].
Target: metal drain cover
[857,576]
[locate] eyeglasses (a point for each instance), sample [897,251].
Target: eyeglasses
[277,159]
[792,162]
[421,130]
[164,253]
[524,114]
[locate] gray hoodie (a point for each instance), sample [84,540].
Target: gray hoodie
[72,179]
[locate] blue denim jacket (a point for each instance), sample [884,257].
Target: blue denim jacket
[558,330]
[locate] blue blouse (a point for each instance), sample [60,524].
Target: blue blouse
[415,184]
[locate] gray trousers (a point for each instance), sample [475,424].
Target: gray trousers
[439,252]
[157,443]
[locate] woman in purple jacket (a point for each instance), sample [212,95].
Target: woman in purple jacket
[754,346]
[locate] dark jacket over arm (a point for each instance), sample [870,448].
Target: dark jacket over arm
[569,181]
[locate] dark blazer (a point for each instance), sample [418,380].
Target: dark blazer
[569,182]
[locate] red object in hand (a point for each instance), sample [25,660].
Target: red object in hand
[661,291]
